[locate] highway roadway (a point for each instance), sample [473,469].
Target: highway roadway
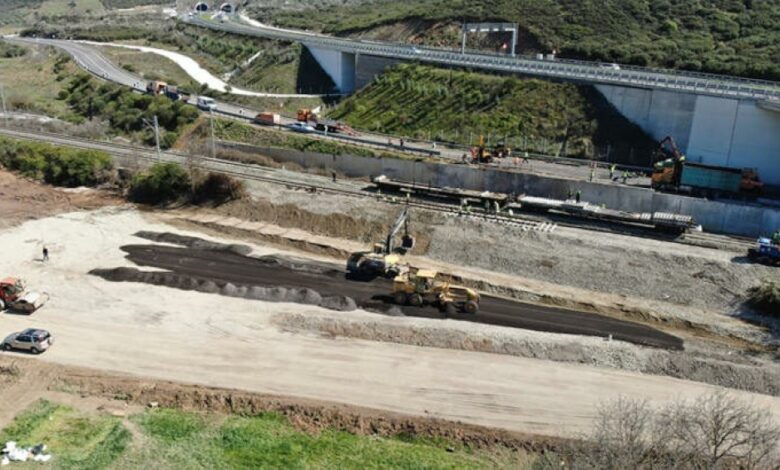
[90,59]
[581,71]
[222,266]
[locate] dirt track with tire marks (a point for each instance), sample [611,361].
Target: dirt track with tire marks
[227,270]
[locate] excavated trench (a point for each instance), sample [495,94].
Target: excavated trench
[195,264]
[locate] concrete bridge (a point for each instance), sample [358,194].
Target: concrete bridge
[715,119]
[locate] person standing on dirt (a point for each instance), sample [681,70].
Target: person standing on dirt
[333,174]
[625,177]
[45,254]
[578,196]
[612,169]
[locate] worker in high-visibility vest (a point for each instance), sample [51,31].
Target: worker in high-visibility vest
[776,237]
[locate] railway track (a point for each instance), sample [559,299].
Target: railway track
[139,156]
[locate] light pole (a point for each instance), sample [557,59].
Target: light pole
[155,127]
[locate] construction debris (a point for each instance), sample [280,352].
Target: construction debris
[12,453]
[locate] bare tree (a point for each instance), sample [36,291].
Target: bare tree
[712,432]
[719,431]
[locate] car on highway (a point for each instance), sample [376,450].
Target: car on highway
[33,340]
[206,104]
[301,127]
[610,66]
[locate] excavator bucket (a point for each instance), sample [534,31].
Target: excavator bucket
[407,242]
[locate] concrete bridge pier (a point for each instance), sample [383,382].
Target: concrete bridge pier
[340,66]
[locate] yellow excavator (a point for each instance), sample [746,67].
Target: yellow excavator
[418,287]
[385,258]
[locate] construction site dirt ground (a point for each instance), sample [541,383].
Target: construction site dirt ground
[169,334]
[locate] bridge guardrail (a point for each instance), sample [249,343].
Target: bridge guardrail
[700,83]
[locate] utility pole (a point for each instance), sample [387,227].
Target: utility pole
[155,127]
[213,143]
[5,111]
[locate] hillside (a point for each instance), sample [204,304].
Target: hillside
[457,106]
[738,37]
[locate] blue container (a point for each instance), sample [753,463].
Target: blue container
[711,177]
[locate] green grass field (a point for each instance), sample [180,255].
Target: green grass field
[30,82]
[172,439]
[150,66]
[68,7]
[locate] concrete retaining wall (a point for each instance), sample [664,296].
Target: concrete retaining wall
[715,216]
[708,129]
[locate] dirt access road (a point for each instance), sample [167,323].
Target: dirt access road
[170,334]
[223,266]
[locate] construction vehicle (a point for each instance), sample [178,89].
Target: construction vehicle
[421,287]
[15,296]
[385,258]
[156,87]
[306,115]
[482,154]
[312,117]
[175,93]
[267,119]
[672,172]
[767,250]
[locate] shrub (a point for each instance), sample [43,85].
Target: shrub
[219,189]
[765,297]
[56,165]
[162,183]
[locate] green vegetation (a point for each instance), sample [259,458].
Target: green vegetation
[459,106]
[238,132]
[126,110]
[765,297]
[60,166]
[32,81]
[76,440]
[116,4]
[169,182]
[9,51]
[160,184]
[186,440]
[167,438]
[219,52]
[738,37]
[150,66]
[275,70]
[70,7]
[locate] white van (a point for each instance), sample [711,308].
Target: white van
[207,104]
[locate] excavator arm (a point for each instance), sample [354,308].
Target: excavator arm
[407,241]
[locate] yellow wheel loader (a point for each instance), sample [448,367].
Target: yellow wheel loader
[421,287]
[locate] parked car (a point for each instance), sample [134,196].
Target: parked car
[33,340]
[301,127]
